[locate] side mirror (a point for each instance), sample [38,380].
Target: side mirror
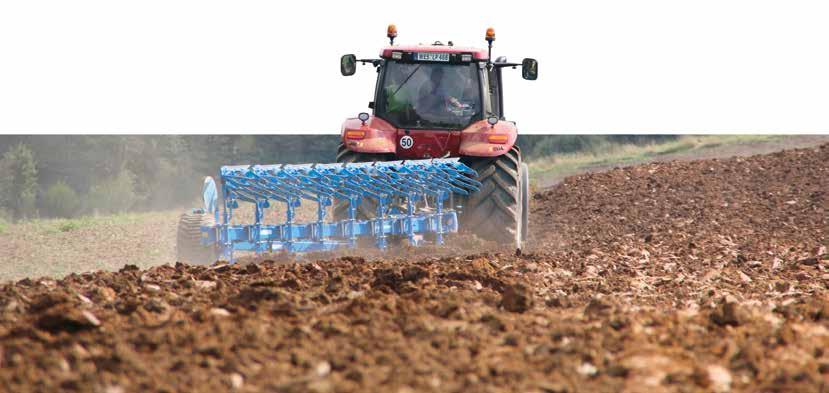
[348,65]
[529,69]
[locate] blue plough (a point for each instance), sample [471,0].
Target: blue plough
[412,199]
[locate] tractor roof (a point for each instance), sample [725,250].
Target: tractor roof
[477,53]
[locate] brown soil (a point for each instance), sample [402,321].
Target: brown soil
[683,276]
[707,151]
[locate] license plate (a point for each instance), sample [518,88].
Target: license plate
[428,56]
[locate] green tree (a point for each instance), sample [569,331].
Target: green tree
[115,195]
[61,200]
[18,182]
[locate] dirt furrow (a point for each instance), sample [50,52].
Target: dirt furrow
[707,275]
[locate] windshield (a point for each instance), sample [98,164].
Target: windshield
[429,95]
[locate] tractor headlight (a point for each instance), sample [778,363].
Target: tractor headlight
[466,57]
[397,55]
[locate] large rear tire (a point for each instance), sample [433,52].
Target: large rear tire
[496,211]
[188,239]
[367,207]
[525,205]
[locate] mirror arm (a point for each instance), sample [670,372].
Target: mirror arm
[374,62]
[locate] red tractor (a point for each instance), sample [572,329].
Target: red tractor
[439,101]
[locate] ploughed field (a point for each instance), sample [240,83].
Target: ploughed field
[684,276]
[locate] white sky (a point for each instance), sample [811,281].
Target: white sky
[265,67]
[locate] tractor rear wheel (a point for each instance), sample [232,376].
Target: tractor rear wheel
[188,239]
[525,204]
[367,207]
[498,211]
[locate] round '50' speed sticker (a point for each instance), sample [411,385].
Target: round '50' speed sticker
[406,142]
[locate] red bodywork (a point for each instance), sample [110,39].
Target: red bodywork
[479,139]
[477,53]
[378,136]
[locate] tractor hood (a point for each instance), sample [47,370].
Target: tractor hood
[380,137]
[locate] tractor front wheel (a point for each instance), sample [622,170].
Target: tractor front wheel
[498,211]
[188,239]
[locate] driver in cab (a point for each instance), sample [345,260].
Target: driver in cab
[437,95]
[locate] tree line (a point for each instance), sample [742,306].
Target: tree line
[71,175]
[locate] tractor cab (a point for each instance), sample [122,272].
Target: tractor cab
[422,87]
[438,86]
